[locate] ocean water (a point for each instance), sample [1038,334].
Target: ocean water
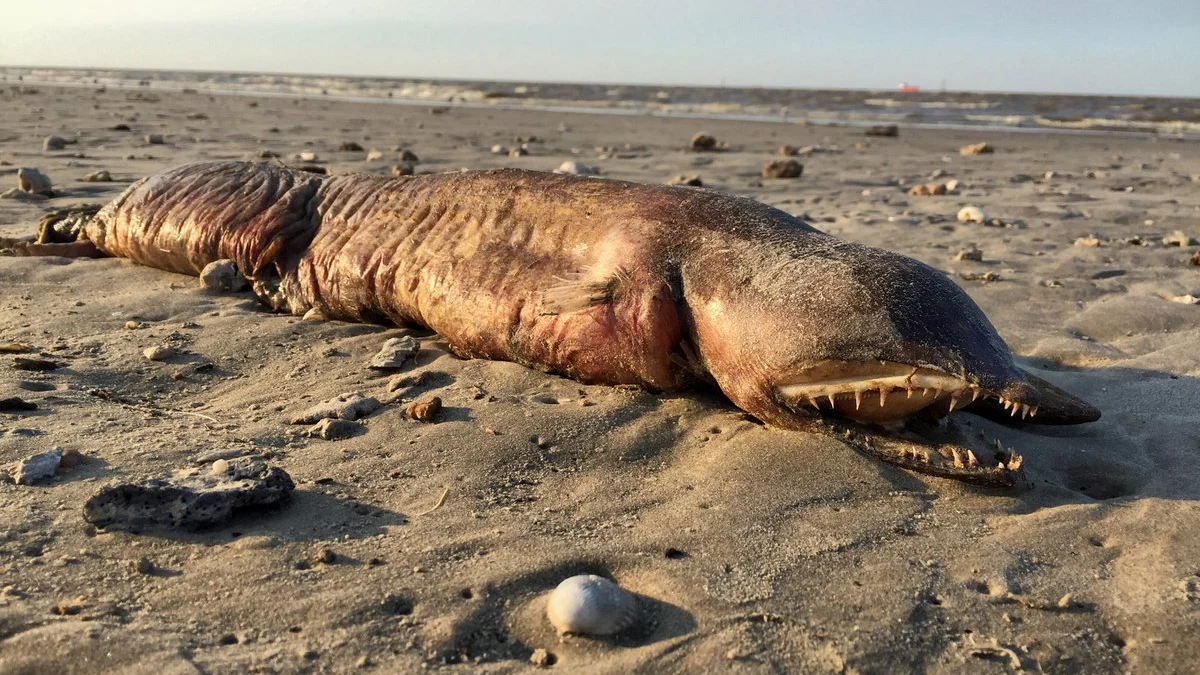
[1167,116]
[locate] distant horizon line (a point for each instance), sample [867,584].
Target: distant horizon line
[461,80]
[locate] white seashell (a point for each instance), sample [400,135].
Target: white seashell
[971,214]
[590,605]
[576,168]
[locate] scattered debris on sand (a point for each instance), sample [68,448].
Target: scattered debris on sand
[786,168]
[349,406]
[394,353]
[976,149]
[425,410]
[190,498]
[222,276]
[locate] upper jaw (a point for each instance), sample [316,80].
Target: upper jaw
[886,392]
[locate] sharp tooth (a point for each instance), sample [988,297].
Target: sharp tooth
[958,459]
[972,460]
[954,400]
[883,394]
[1015,407]
[1024,410]
[937,392]
[857,399]
[1033,411]
[974,395]
[910,391]
[813,402]
[831,402]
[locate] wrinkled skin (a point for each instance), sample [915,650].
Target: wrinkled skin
[610,282]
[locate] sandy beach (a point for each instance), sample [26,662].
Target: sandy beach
[418,546]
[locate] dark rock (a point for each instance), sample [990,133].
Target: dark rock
[190,498]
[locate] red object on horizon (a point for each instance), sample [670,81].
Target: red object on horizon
[909,88]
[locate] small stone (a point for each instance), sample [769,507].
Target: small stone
[969,253]
[1179,238]
[21,195]
[16,404]
[143,565]
[403,170]
[394,353]
[220,467]
[40,365]
[407,155]
[121,127]
[222,276]
[267,154]
[313,314]
[155,139]
[350,146]
[972,214]
[885,130]
[37,468]
[34,182]
[53,143]
[518,152]
[788,151]
[788,168]
[1090,241]
[499,150]
[374,156]
[335,430]
[101,176]
[1188,299]
[159,352]
[1195,261]
[689,180]
[576,169]
[703,142]
[928,189]
[325,556]
[542,658]
[976,149]
[425,410]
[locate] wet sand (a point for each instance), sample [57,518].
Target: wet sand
[752,550]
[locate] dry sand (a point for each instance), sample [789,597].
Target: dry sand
[788,551]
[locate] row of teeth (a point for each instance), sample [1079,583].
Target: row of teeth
[925,382]
[962,459]
[1012,407]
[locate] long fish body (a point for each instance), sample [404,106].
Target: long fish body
[609,282]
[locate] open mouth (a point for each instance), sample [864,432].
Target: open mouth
[885,392]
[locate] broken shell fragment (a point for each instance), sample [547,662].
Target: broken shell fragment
[394,353]
[590,605]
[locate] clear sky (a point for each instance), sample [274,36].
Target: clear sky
[1070,46]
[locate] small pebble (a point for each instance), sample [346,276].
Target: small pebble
[159,352]
[425,410]
[788,168]
[972,214]
[976,149]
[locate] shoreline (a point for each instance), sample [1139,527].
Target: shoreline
[1190,131]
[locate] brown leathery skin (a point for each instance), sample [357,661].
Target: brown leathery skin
[600,280]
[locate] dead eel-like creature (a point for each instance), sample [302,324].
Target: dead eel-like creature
[610,282]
